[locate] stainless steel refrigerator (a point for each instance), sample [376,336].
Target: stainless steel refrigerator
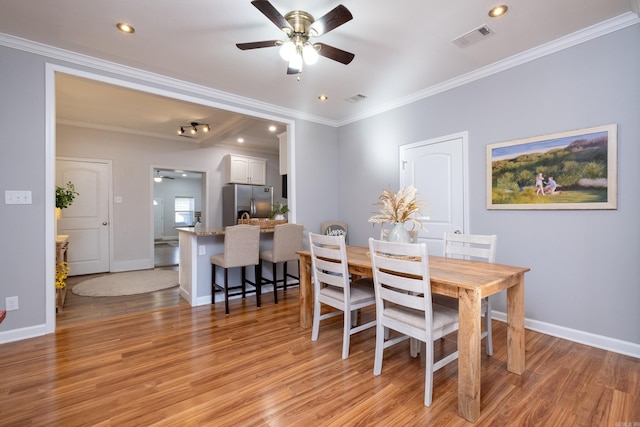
[256,200]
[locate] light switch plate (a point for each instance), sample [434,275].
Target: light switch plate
[12,197]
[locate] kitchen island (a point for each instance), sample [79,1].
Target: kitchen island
[196,247]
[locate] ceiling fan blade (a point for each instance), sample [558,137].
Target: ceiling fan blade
[333,19]
[257,45]
[272,13]
[334,53]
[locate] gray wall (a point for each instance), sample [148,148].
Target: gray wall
[585,265]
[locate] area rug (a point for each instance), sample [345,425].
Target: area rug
[127,283]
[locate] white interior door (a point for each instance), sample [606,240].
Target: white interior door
[158,217]
[86,221]
[437,168]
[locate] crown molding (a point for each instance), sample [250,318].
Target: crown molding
[150,77]
[614,24]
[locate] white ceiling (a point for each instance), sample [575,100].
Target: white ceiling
[402,49]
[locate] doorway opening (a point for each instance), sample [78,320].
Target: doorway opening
[179,200]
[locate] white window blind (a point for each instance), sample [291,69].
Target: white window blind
[184,211]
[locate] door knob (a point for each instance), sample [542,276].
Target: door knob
[104,223]
[457,232]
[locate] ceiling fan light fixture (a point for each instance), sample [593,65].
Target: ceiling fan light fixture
[157,178]
[310,54]
[288,50]
[206,128]
[181,131]
[296,62]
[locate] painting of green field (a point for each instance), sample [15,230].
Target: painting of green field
[572,168]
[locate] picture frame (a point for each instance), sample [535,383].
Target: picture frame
[578,171]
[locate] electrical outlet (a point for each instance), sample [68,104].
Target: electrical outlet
[202,250]
[11,303]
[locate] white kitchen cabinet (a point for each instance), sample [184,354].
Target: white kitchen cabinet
[246,170]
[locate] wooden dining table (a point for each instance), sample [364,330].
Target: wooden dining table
[469,282]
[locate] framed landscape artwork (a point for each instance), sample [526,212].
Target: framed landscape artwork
[568,170]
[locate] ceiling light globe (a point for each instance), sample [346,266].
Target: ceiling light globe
[157,178]
[310,54]
[287,51]
[296,63]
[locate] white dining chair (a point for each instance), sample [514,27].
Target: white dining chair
[403,303]
[333,287]
[475,247]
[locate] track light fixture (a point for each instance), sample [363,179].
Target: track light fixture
[193,128]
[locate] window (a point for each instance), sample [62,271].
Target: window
[184,211]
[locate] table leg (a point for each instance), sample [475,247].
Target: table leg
[469,355]
[515,327]
[306,294]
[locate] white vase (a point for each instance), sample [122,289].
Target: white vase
[398,234]
[279,217]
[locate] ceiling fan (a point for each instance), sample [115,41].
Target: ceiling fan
[159,178]
[300,27]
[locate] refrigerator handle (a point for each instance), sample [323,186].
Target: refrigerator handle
[252,207]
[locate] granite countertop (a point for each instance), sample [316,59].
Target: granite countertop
[212,231]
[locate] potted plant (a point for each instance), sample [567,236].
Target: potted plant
[64,197]
[278,211]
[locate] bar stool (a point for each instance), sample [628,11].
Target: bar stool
[287,240]
[241,249]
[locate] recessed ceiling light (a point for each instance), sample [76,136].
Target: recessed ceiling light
[498,11]
[125,28]
[240,140]
[323,97]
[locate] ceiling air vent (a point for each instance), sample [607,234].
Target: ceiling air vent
[356,98]
[473,36]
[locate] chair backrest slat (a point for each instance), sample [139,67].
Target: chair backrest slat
[401,276]
[329,260]
[470,246]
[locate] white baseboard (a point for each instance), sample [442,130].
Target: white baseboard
[586,338]
[22,333]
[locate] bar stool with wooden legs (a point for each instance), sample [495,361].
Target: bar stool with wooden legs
[287,240]
[241,249]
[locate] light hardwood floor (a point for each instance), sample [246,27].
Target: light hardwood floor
[187,366]
[78,309]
